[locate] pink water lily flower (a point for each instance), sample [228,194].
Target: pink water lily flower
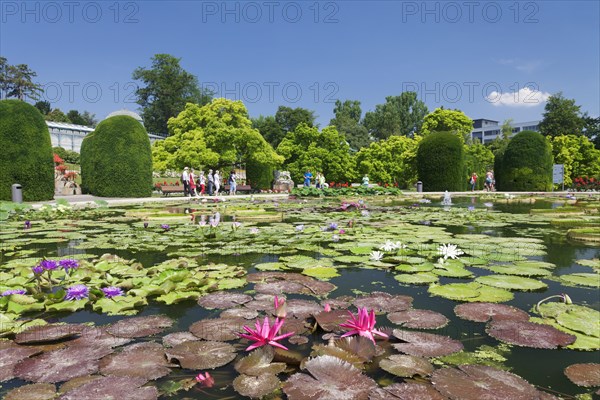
[362,325]
[265,334]
[205,379]
[280,307]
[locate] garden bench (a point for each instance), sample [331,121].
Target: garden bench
[239,188]
[167,190]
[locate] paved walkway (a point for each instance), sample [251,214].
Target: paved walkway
[86,199]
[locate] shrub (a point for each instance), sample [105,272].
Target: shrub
[259,176]
[440,162]
[26,156]
[526,164]
[116,160]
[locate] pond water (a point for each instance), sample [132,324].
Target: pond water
[269,239]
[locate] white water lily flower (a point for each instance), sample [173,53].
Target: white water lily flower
[299,228]
[377,255]
[364,213]
[450,251]
[399,245]
[388,246]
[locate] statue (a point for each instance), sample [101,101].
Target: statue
[283,182]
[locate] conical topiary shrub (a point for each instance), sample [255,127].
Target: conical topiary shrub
[440,162]
[116,160]
[26,152]
[526,164]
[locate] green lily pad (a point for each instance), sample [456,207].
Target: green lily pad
[321,273]
[121,305]
[583,279]
[420,278]
[511,282]
[519,270]
[455,291]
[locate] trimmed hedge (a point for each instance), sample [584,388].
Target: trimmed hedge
[526,164]
[260,176]
[116,160]
[440,163]
[26,155]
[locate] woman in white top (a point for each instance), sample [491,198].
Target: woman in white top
[217,183]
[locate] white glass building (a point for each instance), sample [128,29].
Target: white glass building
[486,130]
[70,136]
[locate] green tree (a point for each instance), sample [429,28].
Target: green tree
[323,151]
[217,135]
[166,88]
[116,160]
[44,106]
[391,161]
[269,129]
[75,117]
[440,162]
[479,159]
[498,145]
[57,115]
[399,115]
[19,82]
[578,155]
[454,121]
[591,129]
[347,121]
[26,155]
[289,118]
[3,77]
[561,117]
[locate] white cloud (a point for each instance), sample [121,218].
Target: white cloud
[526,97]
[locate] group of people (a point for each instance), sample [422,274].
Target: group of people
[488,185]
[319,180]
[210,184]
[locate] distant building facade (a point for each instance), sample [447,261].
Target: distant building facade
[486,130]
[70,136]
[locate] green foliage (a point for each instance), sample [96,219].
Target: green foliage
[526,165]
[440,162]
[86,119]
[44,106]
[288,120]
[26,156]
[578,155]
[442,120]
[478,159]
[561,117]
[69,156]
[324,151]
[164,91]
[400,115]
[260,176]
[591,129]
[347,121]
[269,129]
[391,161]
[498,145]
[57,115]
[116,159]
[17,81]
[217,135]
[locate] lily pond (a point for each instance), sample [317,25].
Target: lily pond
[358,298]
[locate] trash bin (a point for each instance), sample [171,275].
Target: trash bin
[17,193]
[419,186]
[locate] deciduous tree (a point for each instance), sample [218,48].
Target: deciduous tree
[454,121]
[399,115]
[561,117]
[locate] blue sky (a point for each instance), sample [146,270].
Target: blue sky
[497,59]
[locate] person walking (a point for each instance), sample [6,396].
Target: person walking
[192,183]
[232,183]
[211,182]
[473,181]
[489,181]
[202,183]
[307,177]
[322,183]
[217,179]
[185,180]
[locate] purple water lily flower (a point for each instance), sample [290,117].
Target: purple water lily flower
[27,224]
[77,292]
[69,264]
[38,269]
[13,291]
[165,227]
[112,291]
[471,208]
[254,231]
[48,265]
